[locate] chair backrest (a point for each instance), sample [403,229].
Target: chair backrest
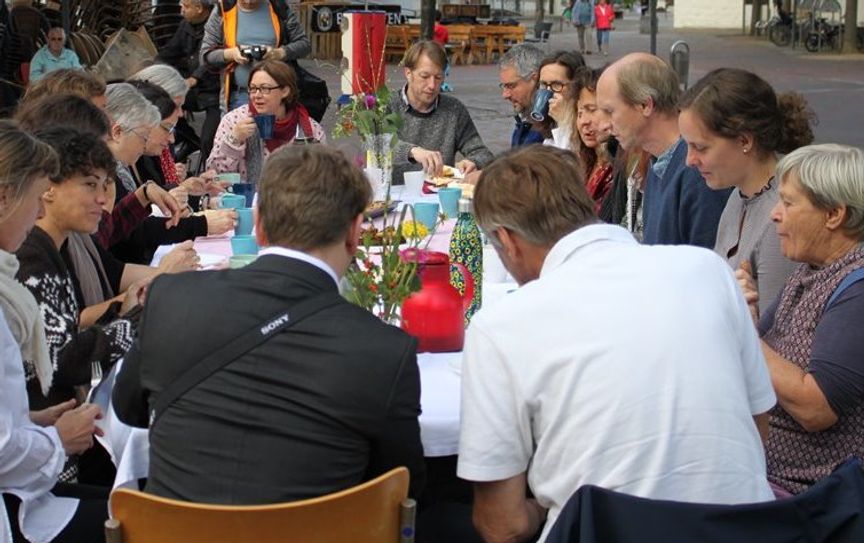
[374,512]
[831,511]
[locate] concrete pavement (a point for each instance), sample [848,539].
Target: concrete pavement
[832,84]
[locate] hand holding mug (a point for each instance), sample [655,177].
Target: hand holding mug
[220,221]
[244,129]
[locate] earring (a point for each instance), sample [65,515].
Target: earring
[746,150]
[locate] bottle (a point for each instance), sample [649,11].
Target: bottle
[466,248]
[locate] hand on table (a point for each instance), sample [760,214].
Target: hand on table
[50,415]
[181,258]
[432,161]
[76,428]
[466,166]
[220,221]
[473,177]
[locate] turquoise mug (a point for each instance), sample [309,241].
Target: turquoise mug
[244,245]
[231,178]
[427,213]
[449,198]
[244,221]
[232,201]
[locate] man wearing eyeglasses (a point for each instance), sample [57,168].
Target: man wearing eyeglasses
[519,69]
[53,55]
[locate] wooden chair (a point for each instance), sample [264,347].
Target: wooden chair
[373,512]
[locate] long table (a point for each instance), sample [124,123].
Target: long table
[440,384]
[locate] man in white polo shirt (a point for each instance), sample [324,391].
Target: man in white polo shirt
[629,367]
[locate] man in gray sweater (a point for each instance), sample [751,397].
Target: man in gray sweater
[434,126]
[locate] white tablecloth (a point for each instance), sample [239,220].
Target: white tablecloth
[439,424]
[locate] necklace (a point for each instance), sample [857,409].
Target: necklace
[765,188]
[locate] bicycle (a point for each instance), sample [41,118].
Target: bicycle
[823,34]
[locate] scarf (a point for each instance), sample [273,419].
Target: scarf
[285,129]
[25,320]
[125,177]
[166,164]
[87,264]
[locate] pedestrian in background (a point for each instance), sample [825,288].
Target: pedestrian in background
[604,16]
[582,14]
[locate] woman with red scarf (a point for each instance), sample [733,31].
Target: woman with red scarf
[239,145]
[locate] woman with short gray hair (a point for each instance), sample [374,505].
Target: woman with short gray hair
[810,334]
[166,77]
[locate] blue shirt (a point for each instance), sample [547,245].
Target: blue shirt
[523,134]
[253,28]
[678,207]
[44,61]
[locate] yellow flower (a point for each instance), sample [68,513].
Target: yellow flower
[414,230]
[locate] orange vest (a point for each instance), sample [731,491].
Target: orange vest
[229,34]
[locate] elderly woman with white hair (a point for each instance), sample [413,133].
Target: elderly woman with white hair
[133,118]
[170,172]
[811,335]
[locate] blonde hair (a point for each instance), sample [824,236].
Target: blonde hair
[23,159]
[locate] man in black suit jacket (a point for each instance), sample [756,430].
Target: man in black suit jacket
[321,406]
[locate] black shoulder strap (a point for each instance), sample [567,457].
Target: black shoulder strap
[252,338]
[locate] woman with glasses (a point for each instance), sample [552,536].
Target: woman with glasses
[157,162]
[240,146]
[558,74]
[127,104]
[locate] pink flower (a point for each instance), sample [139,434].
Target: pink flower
[370,101]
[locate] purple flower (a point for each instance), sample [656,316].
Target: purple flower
[370,101]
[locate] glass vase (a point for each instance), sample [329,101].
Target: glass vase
[379,163]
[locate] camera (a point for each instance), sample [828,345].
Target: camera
[253,52]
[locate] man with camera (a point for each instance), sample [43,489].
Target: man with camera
[240,32]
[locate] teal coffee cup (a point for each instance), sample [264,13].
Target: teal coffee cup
[232,201]
[449,198]
[244,221]
[244,245]
[231,178]
[427,213]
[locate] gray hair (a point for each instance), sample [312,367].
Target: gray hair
[525,58]
[831,175]
[128,108]
[164,76]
